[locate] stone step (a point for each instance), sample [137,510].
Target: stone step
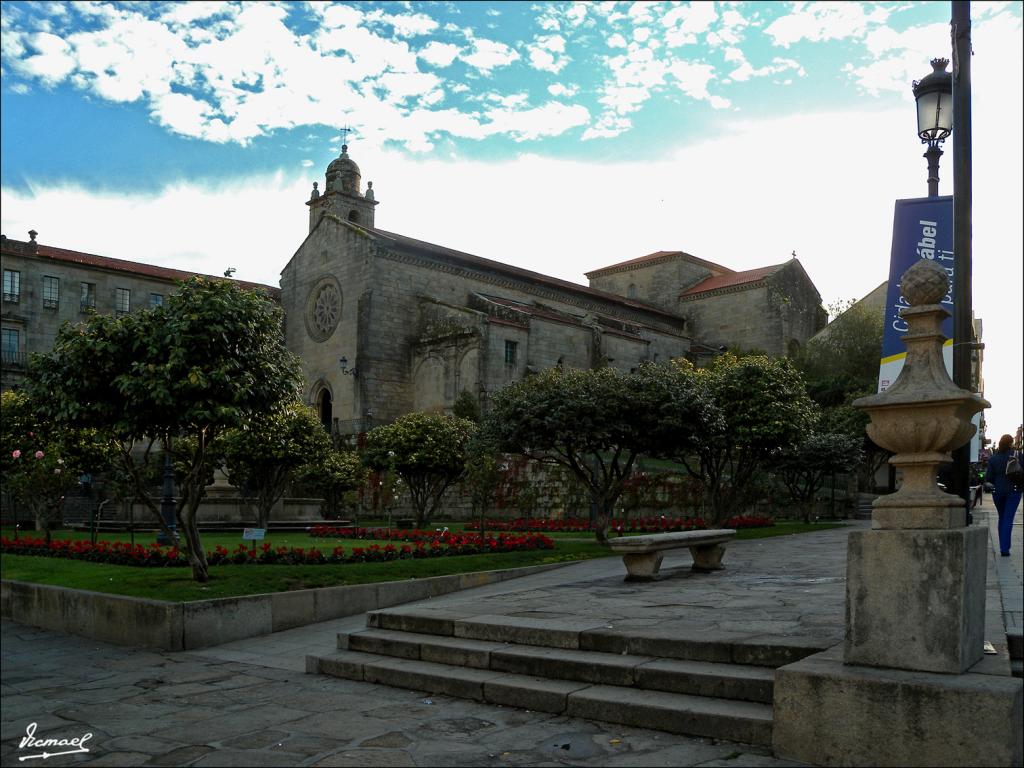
[716,679]
[679,713]
[695,644]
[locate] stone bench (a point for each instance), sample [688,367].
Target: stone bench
[643,554]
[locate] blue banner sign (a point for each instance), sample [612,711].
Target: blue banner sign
[922,229]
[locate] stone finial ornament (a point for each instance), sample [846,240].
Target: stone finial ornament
[923,415]
[369,190]
[315,193]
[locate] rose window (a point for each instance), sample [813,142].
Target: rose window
[326,309]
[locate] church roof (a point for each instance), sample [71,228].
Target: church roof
[39,250]
[656,258]
[733,280]
[403,243]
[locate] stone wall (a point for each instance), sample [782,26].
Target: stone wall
[388,335]
[769,315]
[658,283]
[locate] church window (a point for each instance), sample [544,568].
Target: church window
[12,285]
[122,301]
[631,291]
[51,292]
[353,216]
[156,300]
[510,352]
[87,299]
[11,346]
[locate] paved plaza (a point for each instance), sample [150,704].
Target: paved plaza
[250,703]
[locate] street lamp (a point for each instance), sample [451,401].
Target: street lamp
[934,96]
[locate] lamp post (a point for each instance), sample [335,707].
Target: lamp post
[934,96]
[167,502]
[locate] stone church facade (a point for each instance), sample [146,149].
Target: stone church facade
[386,324]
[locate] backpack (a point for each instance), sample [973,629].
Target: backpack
[1014,473]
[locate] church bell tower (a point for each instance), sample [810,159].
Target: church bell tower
[342,194]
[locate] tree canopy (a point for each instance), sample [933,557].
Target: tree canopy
[207,361]
[597,422]
[760,407]
[426,450]
[271,448]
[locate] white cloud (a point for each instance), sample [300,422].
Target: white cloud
[552,119]
[439,54]
[683,23]
[616,41]
[488,55]
[52,62]
[559,89]
[826,21]
[407,24]
[547,53]
[744,70]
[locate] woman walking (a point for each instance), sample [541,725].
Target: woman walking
[1007,489]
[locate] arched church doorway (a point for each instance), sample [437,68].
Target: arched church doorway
[325,409]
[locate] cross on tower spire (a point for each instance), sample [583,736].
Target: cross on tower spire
[344,135]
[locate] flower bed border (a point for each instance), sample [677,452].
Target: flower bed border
[643,525]
[155,556]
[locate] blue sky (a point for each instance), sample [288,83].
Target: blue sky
[559,137]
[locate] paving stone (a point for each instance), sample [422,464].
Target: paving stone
[228,758]
[114,759]
[395,739]
[149,745]
[371,758]
[181,756]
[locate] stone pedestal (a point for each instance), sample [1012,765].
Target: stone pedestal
[915,599]
[830,713]
[905,687]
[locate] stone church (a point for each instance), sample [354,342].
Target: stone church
[385,324]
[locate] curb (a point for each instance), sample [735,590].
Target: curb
[168,626]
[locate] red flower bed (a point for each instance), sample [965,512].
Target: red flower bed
[120,553]
[642,525]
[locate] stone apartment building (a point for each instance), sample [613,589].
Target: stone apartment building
[44,286]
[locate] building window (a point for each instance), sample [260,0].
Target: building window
[51,292]
[88,297]
[12,286]
[631,291]
[11,349]
[122,301]
[510,352]
[156,299]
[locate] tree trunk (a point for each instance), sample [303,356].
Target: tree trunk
[194,547]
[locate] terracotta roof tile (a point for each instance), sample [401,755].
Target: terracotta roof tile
[118,265]
[657,255]
[716,282]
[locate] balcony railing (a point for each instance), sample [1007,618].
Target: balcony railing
[13,359]
[12,298]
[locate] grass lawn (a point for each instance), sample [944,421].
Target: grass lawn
[175,584]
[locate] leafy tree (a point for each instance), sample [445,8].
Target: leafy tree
[40,464]
[761,407]
[596,423]
[266,452]
[467,407]
[333,473]
[487,475]
[210,359]
[426,450]
[803,467]
[841,365]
